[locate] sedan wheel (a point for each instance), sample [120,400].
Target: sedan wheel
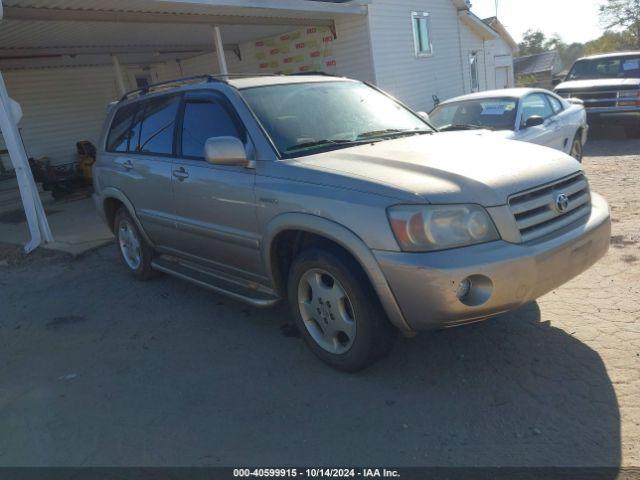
[577,150]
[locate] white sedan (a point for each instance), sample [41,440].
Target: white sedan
[525,114]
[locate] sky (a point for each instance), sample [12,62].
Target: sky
[573,20]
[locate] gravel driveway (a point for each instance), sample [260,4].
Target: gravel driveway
[98,369]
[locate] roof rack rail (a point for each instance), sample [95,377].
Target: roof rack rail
[219,77]
[176,81]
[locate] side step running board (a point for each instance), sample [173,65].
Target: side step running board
[235,288]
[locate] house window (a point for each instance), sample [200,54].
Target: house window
[421,34]
[475,79]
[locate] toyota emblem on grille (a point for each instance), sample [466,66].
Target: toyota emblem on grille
[562,203]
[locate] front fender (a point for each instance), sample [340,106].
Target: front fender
[349,241]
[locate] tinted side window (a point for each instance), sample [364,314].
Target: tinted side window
[120,132]
[203,120]
[535,105]
[158,125]
[555,104]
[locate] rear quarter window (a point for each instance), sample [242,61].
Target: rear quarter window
[120,130]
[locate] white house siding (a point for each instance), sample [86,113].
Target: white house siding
[498,55]
[61,106]
[414,80]
[473,43]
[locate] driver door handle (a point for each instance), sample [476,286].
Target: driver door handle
[181,174]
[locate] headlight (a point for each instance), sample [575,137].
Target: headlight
[420,228]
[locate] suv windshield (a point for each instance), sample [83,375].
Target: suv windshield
[610,67]
[490,113]
[304,118]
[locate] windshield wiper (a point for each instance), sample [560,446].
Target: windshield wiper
[391,132]
[322,143]
[450,128]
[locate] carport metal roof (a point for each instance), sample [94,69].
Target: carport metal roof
[39,33]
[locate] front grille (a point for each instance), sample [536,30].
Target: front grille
[536,211]
[599,99]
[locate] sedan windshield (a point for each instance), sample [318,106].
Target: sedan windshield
[610,67]
[489,113]
[304,118]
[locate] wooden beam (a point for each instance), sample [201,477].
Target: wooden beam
[9,53]
[69,15]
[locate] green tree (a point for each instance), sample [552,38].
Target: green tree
[622,15]
[610,42]
[533,42]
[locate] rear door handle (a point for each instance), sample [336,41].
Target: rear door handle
[181,174]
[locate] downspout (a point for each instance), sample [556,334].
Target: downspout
[33,209]
[484,55]
[464,86]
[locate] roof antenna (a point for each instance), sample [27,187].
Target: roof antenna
[497,1]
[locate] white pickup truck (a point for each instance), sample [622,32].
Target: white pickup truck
[609,86]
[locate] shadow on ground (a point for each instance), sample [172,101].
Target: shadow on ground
[607,141]
[111,371]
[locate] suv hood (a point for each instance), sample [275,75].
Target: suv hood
[598,84]
[452,167]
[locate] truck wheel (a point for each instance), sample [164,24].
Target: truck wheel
[337,310]
[135,253]
[577,149]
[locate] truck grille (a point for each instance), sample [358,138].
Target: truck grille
[542,211]
[600,99]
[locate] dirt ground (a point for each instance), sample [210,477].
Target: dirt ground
[98,369]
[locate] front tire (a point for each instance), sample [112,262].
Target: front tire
[136,254]
[337,311]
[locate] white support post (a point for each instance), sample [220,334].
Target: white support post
[34,211]
[119,78]
[222,61]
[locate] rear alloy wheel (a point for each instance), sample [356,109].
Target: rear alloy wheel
[337,311]
[577,149]
[135,253]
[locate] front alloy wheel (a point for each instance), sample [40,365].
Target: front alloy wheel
[326,311]
[336,310]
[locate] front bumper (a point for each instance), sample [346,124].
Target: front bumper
[614,116]
[425,285]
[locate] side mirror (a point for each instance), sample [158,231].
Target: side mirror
[225,151]
[533,121]
[424,116]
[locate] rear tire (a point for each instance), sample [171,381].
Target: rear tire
[337,311]
[577,149]
[136,254]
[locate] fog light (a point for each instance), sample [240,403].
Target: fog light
[463,289]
